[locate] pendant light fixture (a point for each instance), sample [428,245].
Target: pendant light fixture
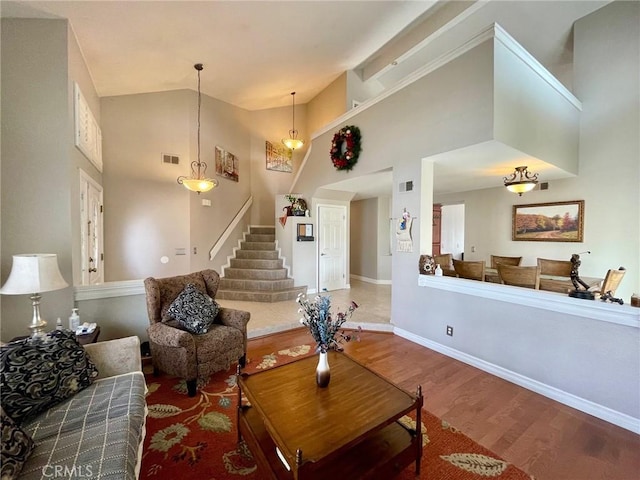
[198,181]
[293,142]
[521,181]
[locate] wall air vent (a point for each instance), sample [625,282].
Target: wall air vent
[405,186]
[172,159]
[542,186]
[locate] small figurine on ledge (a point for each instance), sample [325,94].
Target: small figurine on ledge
[583,292]
[609,296]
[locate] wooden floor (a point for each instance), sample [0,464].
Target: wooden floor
[546,439]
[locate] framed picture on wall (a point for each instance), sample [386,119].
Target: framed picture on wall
[278,158]
[227,164]
[549,222]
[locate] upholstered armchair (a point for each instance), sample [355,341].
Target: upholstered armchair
[178,352]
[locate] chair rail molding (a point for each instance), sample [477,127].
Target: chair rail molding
[122,288]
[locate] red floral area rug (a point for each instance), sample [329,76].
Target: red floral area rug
[196,438]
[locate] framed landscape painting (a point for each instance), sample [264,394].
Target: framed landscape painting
[549,222]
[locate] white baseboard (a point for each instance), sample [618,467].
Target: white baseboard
[600,411]
[370,327]
[371,280]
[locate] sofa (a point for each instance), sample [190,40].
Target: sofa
[96,432]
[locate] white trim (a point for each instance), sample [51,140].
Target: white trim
[370,327]
[612,416]
[492,31]
[450,25]
[518,50]
[108,290]
[85,181]
[375,281]
[551,301]
[227,233]
[301,168]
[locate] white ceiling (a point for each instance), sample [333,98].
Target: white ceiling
[256,52]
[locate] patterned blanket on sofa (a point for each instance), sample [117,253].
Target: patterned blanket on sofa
[95,434]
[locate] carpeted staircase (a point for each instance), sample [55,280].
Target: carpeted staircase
[256,273]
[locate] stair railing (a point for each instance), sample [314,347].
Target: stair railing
[227,233]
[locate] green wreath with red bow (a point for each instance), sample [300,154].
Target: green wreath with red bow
[345,147]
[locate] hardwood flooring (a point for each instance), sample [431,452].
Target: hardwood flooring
[546,439]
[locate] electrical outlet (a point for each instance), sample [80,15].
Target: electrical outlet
[450,330]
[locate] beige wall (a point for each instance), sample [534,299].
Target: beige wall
[364,235]
[370,239]
[37,137]
[273,125]
[447,109]
[147,214]
[328,104]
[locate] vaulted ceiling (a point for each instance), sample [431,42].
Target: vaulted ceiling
[256,52]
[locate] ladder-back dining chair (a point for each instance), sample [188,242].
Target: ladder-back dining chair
[528,277]
[496,259]
[471,270]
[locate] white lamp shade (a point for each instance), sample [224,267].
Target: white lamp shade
[34,273]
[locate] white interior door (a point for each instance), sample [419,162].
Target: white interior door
[332,246]
[91,231]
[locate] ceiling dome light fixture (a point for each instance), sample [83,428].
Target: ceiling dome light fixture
[293,142]
[198,182]
[521,181]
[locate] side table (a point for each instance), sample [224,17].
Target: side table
[82,339]
[89,337]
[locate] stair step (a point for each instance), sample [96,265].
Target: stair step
[258,245]
[261,296]
[255,274]
[256,264]
[259,285]
[259,237]
[262,230]
[257,254]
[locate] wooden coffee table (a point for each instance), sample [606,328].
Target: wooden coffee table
[349,429]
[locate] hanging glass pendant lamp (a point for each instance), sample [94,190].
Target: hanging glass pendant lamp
[198,181]
[293,142]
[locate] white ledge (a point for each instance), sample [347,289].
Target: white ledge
[554,302]
[492,31]
[108,290]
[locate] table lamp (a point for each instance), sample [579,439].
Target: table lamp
[33,274]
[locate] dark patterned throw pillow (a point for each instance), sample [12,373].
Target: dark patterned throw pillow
[39,372]
[193,310]
[16,447]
